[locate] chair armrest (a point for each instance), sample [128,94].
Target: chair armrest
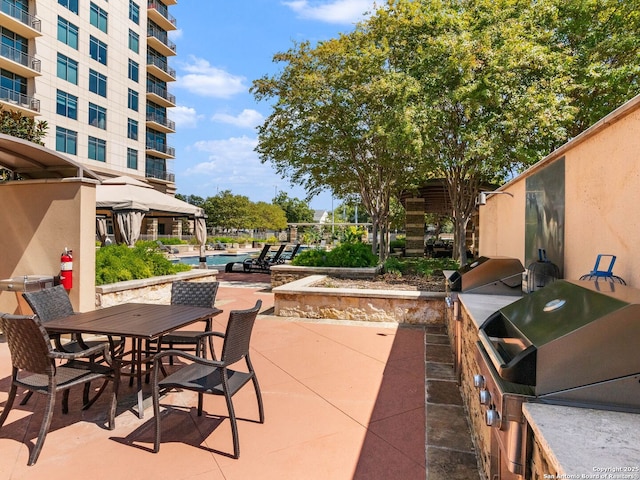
[182,354]
[89,352]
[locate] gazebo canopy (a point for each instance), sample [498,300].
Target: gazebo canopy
[126,193]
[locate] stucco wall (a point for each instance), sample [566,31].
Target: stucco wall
[602,190]
[39,218]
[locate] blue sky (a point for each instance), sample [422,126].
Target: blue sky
[223,45]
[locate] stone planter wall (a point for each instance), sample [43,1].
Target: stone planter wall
[283,274]
[301,299]
[148,290]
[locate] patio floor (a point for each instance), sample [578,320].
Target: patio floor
[343,400]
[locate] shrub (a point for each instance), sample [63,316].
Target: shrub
[426,267]
[398,243]
[118,263]
[354,255]
[172,241]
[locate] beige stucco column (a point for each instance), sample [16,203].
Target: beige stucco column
[40,218]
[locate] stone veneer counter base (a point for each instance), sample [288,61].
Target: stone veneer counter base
[301,299]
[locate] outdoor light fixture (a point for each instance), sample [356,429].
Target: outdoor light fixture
[482,197]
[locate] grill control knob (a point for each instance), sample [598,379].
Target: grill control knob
[478,381]
[485,397]
[492,418]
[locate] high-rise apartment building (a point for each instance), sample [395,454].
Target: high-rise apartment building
[97,71]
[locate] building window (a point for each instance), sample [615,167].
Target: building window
[134,41]
[67,33]
[66,141]
[67,69]
[132,158]
[134,12]
[98,50]
[98,17]
[15,47]
[134,69]
[97,116]
[97,149]
[13,87]
[132,129]
[132,102]
[97,83]
[70,4]
[67,105]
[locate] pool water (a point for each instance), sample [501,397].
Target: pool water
[213,259]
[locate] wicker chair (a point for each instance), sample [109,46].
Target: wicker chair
[212,376]
[200,294]
[34,368]
[53,303]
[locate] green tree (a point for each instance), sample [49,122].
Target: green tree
[17,125]
[228,211]
[267,216]
[296,211]
[342,119]
[492,97]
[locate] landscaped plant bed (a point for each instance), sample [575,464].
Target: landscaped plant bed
[311,298]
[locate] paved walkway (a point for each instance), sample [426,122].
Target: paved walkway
[343,400]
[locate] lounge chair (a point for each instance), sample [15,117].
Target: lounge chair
[250,262]
[287,256]
[167,248]
[263,265]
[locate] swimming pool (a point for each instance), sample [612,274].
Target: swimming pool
[214,260]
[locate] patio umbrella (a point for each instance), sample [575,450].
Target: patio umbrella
[201,236]
[128,223]
[101,229]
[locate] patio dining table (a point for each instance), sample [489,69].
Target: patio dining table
[140,322]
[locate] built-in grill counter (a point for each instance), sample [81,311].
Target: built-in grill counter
[485,276]
[572,343]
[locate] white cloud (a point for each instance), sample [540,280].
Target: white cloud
[201,78]
[175,34]
[248,118]
[185,117]
[334,11]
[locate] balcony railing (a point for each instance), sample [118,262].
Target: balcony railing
[161,92]
[13,11]
[19,99]
[161,8]
[161,120]
[162,36]
[162,175]
[161,64]
[22,58]
[161,147]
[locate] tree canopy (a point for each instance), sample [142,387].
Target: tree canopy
[471,91]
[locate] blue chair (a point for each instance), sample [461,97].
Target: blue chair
[607,274]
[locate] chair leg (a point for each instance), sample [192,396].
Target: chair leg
[44,428]
[65,401]
[26,398]
[87,401]
[259,397]
[156,411]
[9,404]
[85,394]
[234,425]
[200,398]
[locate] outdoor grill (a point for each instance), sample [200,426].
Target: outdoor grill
[488,275]
[571,343]
[26,283]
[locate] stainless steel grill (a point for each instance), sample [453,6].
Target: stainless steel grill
[571,343]
[488,275]
[26,283]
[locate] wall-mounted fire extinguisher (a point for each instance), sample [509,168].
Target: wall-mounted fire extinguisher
[66,269]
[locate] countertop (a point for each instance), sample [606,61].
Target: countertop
[579,442]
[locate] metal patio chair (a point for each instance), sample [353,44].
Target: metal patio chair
[213,377]
[53,303]
[195,294]
[34,368]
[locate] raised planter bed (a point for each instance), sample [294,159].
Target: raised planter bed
[302,299]
[283,274]
[148,290]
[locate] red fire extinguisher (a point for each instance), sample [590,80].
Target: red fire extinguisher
[66,269]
